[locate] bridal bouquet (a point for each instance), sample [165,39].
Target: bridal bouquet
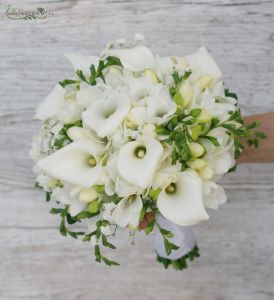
[138,141]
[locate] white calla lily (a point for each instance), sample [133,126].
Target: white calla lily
[203,63]
[182,204]
[127,211]
[52,104]
[138,161]
[214,195]
[72,163]
[134,59]
[82,62]
[104,116]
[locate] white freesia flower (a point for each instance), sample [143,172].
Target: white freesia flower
[51,105]
[88,94]
[105,115]
[69,112]
[69,195]
[160,105]
[214,195]
[203,63]
[82,62]
[133,59]
[138,161]
[127,211]
[71,163]
[166,174]
[220,158]
[183,202]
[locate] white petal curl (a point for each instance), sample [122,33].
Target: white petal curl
[134,59]
[139,171]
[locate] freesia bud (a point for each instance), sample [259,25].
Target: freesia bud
[88,195]
[196,131]
[94,207]
[206,173]
[75,133]
[186,92]
[196,149]
[204,117]
[197,164]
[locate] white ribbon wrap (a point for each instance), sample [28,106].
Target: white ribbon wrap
[183,237]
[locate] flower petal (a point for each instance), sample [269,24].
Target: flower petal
[87,95]
[70,164]
[203,63]
[82,62]
[52,103]
[184,206]
[105,115]
[214,195]
[127,211]
[139,171]
[134,59]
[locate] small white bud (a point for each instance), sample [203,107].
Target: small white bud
[206,173]
[196,149]
[88,195]
[197,164]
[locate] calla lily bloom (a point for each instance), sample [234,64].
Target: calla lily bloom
[104,116]
[82,62]
[138,161]
[182,202]
[127,211]
[134,59]
[51,105]
[73,163]
[203,63]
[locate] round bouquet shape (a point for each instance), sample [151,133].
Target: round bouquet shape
[138,141]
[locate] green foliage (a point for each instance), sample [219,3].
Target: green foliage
[178,80]
[94,73]
[167,235]
[63,138]
[181,263]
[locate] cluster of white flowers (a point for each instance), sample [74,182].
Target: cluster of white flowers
[133,131]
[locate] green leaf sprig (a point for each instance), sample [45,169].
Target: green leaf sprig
[95,73]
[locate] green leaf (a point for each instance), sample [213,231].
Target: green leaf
[228,93]
[212,139]
[66,82]
[106,243]
[167,246]
[150,227]
[55,211]
[260,135]
[62,228]
[98,256]
[48,195]
[109,262]
[81,75]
